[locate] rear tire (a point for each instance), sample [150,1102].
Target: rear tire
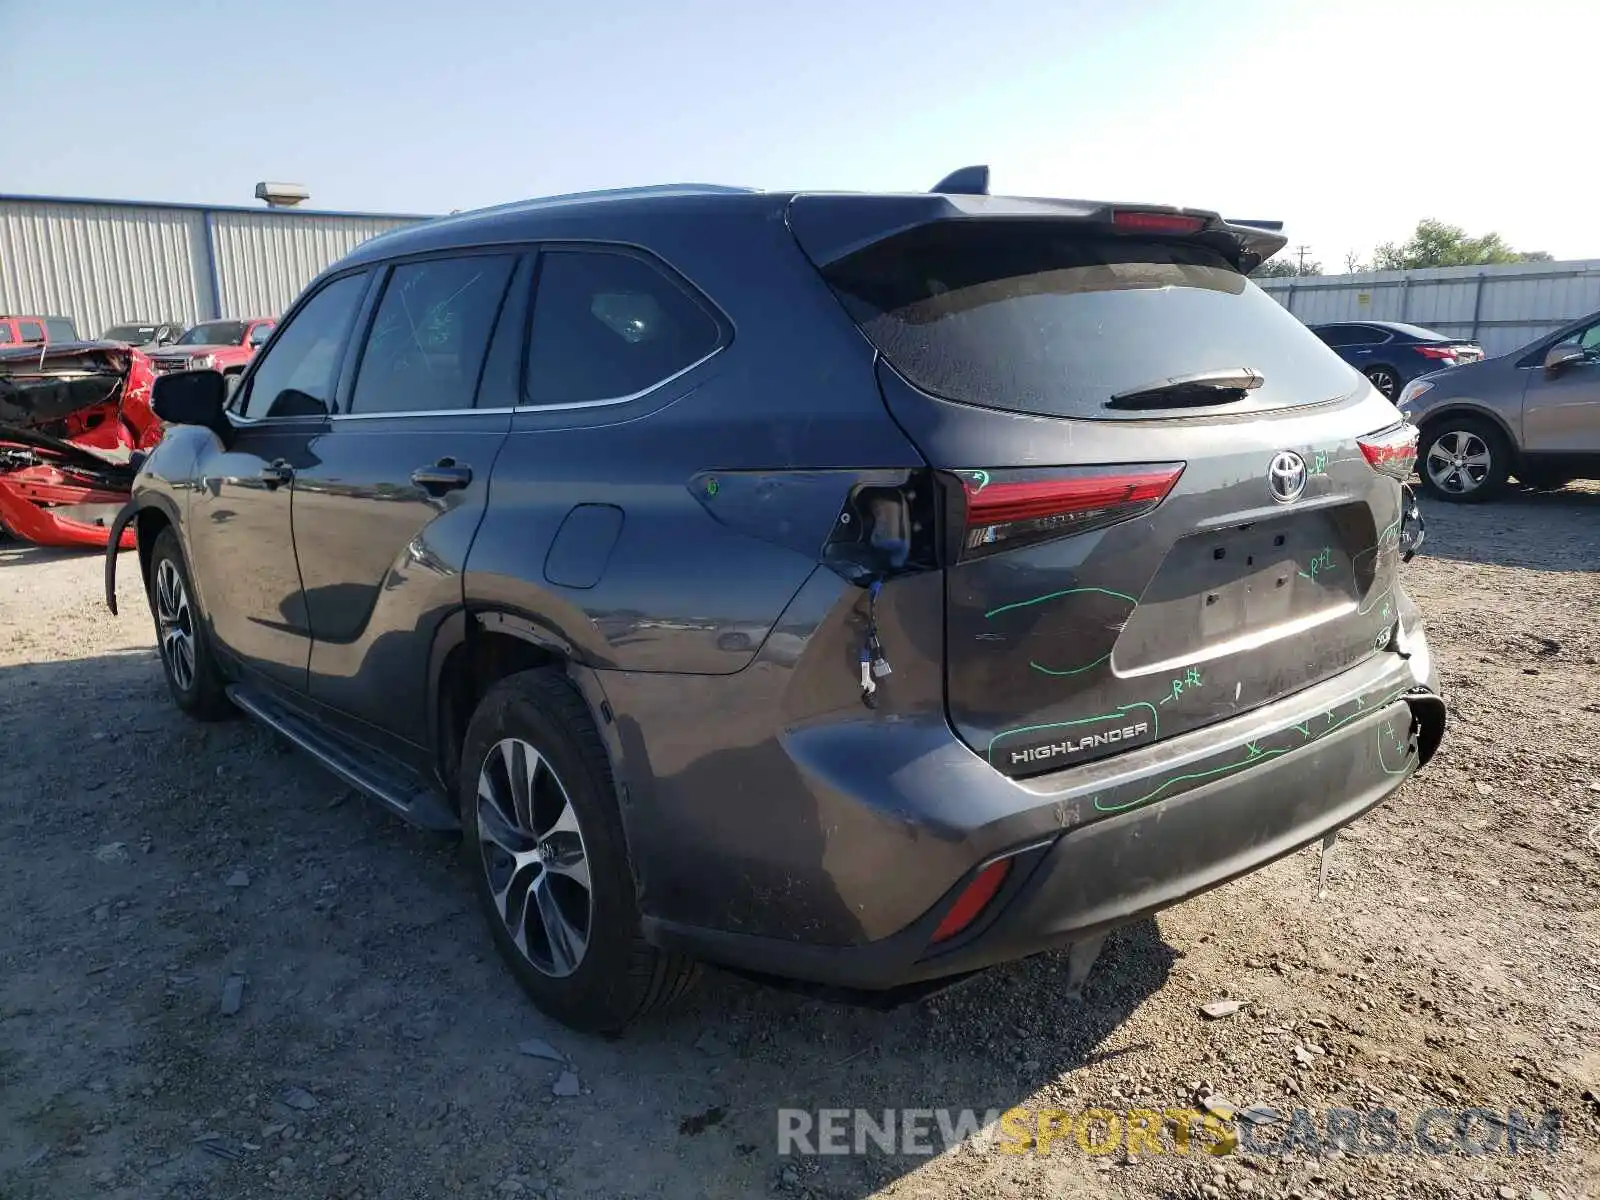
[543,839]
[1463,459]
[193,678]
[1385,380]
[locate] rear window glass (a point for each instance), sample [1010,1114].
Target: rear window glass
[60,329]
[1417,331]
[1031,317]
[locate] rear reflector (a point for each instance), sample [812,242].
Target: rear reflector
[1391,451]
[1156,222]
[1436,351]
[973,900]
[1022,507]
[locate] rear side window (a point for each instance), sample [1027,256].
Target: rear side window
[1033,317]
[608,325]
[296,376]
[5,334]
[60,329]
[31,331]
[428,339]
[1365,335]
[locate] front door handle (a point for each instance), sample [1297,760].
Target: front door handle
[446,475]
[276,474]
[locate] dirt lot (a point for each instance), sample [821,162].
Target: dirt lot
[375,1047]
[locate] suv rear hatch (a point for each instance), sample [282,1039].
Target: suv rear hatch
[1159,512]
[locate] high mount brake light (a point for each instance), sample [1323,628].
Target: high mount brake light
[1156,222]
[1391,451]
[1015,508]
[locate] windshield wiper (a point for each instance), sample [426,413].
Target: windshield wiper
[1192,391]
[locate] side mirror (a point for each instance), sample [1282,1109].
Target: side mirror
[193,398]
[1558,357]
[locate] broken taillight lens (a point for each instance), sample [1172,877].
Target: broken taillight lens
[1391,451]
[1006,509]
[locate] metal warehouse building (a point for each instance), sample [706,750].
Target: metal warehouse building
[105,261]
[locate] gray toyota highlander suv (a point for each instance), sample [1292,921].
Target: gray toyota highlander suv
[853,590]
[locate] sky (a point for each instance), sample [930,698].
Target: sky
[1348,121]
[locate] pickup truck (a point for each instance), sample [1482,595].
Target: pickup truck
[225,346]
[30,331]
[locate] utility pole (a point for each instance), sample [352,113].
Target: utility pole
[1300,254]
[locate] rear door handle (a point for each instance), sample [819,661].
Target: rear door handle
[276,474]
[446,475]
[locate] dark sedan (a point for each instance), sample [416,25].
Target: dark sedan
[1392,353]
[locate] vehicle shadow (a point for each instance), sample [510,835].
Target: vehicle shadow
[1542,531]
[15,553]
[372,980]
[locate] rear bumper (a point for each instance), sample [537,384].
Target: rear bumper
[1108,843]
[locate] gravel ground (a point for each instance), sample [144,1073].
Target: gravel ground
[225,975]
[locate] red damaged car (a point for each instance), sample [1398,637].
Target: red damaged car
[72,416]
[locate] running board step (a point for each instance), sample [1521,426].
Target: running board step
[369,771]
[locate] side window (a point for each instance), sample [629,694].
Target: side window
[609,325]
[31,331]
[1366,335]
[430,334]
[297,376]
[1587,340]
[1334,335]
[61,329]
[259,335]
[5,334]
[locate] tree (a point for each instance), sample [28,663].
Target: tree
[1279,267]
[1435,244]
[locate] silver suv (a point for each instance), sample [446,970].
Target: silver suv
[1533,413]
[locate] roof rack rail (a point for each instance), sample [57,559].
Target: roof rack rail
[967,181]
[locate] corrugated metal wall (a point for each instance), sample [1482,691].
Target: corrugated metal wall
[265,259]
[101,263]
[1502,307]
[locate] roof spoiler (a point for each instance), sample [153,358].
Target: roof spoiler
[1273,226]
[964,181]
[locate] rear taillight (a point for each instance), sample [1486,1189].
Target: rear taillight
[1006,509]
[1391,451]
[1156,222]
[1435,351]
[973,899]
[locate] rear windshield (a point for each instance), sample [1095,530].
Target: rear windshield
[138,335]
[1033,317]
[1417,331]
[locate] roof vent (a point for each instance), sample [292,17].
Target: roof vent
[968,181]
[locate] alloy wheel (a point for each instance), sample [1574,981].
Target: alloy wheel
[1384,381]
[534,856]
[1458,462]
[175,621]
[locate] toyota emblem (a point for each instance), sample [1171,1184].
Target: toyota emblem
[1287,476]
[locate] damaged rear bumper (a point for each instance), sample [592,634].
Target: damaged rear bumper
[1101,845]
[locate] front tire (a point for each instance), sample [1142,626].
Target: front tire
[1464,460]
[543,839]
[193,678]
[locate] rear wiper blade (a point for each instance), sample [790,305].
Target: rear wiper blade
[1194,390]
